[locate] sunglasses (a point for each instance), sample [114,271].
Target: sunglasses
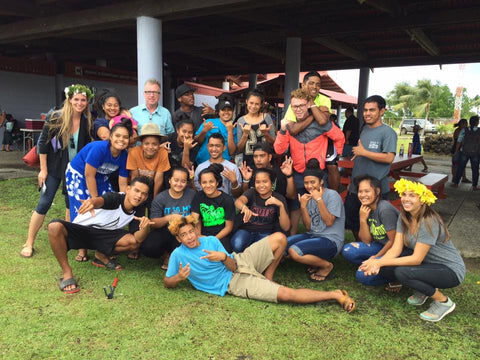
[72,143]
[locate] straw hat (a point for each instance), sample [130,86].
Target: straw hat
[150,129]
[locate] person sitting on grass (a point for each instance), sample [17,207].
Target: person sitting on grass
[169,204]
[378,224]
[209,268]
[435,263]
[215,208]
[264,211]
[151,160]
[324,218]
[99,226]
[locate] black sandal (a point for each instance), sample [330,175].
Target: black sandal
[111,265]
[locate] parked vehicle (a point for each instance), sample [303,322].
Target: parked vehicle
[407,126]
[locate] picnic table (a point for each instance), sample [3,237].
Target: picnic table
[433,181]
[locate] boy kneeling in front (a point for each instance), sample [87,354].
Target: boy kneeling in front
[208,267]
[99,226]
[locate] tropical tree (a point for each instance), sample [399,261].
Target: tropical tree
[401,99]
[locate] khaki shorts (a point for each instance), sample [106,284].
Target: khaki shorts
[247,281]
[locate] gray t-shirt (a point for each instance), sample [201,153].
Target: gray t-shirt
[381,220]
[164,204]
[440,252]
[381,139]
[313,131]
[334,204]
[226,184]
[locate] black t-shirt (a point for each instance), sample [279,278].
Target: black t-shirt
[267,218]
[353,125]
[195,115]
[280,185]
[213,211]
[176,153]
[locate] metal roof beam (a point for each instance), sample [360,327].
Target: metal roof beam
[265,51]
[340,48]
[424,41]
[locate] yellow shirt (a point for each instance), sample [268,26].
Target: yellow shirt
[320,100]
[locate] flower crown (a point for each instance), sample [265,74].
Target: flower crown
[426,196]
[73,90]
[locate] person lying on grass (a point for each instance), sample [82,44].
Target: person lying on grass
[209,268]
[99,226]
[435,262]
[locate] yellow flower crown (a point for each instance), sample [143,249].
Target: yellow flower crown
[426,196]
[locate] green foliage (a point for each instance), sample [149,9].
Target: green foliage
[445,129]
[147,321]
[428,100]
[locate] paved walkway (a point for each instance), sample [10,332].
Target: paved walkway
[459,210]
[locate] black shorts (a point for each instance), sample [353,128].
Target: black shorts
[86,237]
[331,156]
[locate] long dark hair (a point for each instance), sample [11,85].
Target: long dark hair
[125,123]
[216,170]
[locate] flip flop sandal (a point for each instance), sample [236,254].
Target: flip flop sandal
[111,265]
[346,301]
[393,288]
[62,284]
[311,270]
[330,276]
[81,258]
[27,251]
[134,255]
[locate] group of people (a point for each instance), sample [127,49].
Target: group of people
[226,227]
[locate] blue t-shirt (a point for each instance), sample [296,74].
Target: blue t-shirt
[97,124]
[98,155]
[203,154]
[210,276]
[160,116]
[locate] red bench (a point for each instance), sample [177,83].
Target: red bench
[436,183]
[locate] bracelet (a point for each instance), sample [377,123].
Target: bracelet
[320,198]
[226,256]
[246,181]
[236,187]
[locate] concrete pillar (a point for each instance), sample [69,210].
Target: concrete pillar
[149,53]
[226,85]
[292,67]
[252,81]
[339,114]
[362,92]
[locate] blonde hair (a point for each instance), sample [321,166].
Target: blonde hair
[153,81]
[300,94]
[175,225]
[61,123]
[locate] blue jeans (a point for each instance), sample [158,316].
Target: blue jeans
[474,162]
[310,244]
[362,253]
[46,198]
[243,239]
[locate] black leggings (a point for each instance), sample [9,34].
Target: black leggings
[424,278]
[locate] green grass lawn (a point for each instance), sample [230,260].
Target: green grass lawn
[147,321]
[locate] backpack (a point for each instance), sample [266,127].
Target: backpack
[471,142]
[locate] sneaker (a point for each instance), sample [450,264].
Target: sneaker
[438,310]
[417,299]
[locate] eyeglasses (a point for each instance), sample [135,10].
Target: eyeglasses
[72,143]
[298,107]
[151,92]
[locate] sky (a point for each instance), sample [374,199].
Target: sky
[383,80]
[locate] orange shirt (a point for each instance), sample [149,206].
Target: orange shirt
[147,167]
